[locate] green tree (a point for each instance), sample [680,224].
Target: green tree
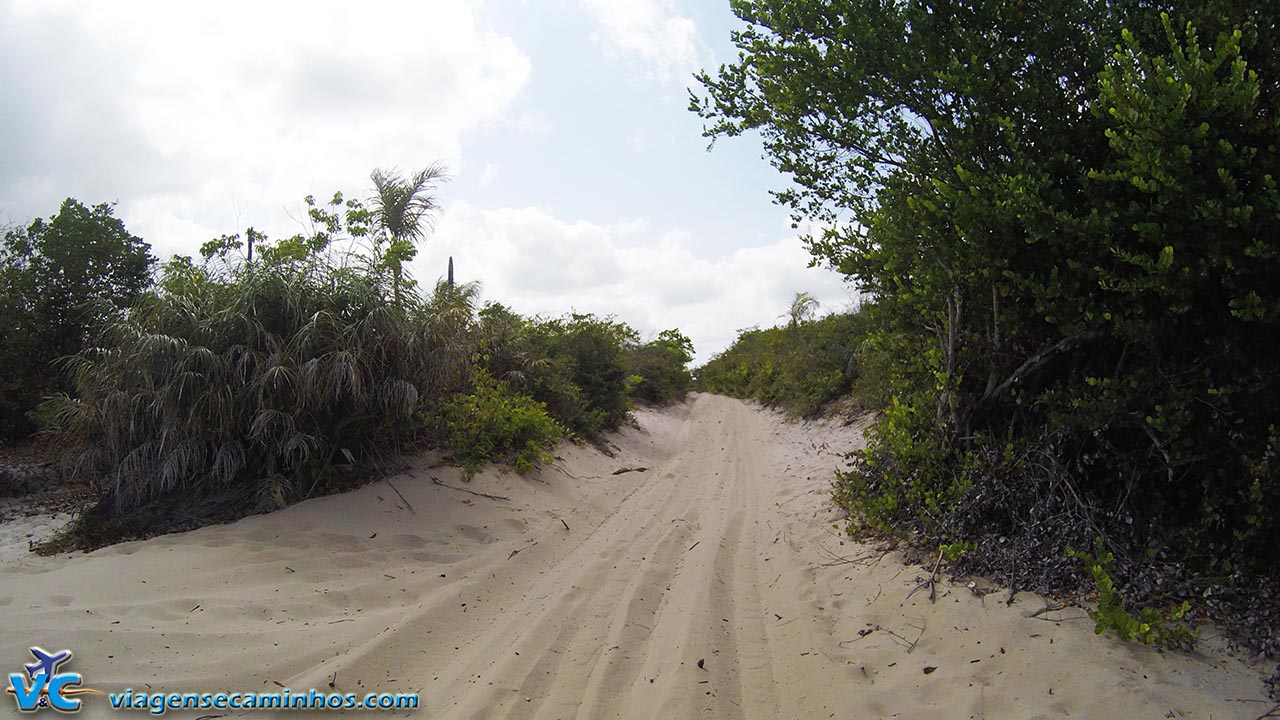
[403,209]
[1065,212]
[660,367]
[59,278]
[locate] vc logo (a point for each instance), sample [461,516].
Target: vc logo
[47,687]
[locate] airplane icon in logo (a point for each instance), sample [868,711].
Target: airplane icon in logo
[48,662]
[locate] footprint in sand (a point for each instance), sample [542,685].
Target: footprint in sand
[437,557]
[409,541]
[352,560]
[348,543]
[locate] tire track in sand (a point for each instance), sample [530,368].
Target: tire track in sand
[613,622]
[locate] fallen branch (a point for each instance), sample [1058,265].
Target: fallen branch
[841,560]
[906,643]
[1034,363]
[917,640]
[402,497]
[517,551]
[861,634]
[436,481]
[565,524]
[619,471]
[1047,608]
[564,472]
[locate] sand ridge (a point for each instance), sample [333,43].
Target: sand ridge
[715,583]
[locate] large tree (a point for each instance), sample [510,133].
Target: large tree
[58,279]
[1067,212]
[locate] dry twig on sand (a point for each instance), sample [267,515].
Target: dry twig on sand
[1048,608]
[402,497]
[517,551]
[437,481]
[931,581]
[841,560]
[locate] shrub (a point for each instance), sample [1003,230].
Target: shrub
[581,374]
[799,367]
[493,423]
[661,368]
[1151,626]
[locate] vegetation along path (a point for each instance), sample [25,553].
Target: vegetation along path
[697,571]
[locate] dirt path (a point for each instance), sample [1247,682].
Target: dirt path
[668,607]
[714,583]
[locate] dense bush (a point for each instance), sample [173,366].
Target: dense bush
[1067,215]
[493,423]
[584,369]
[243,380]
[799,367]
[660,368]
[587,353]
[246,380]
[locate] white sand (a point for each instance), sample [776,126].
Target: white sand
[722,552]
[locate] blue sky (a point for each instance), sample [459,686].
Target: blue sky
[579,179]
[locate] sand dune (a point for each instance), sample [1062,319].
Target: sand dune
[709,585]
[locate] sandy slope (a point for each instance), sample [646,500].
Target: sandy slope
[710,585]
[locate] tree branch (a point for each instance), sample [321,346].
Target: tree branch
[1037,361]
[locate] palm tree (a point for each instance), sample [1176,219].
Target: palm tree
[803,307]
[404,209]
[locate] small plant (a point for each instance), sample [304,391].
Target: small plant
[493,423]
[955,550]
[1150,627]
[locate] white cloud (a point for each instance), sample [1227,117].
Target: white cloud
[541,264]
[204,119]
[190,114]
[529,123]
[638,140]
[665,41]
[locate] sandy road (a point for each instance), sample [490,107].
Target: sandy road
[717,585]
[668,607]
[713,584]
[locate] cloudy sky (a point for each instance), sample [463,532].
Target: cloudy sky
[578,178]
